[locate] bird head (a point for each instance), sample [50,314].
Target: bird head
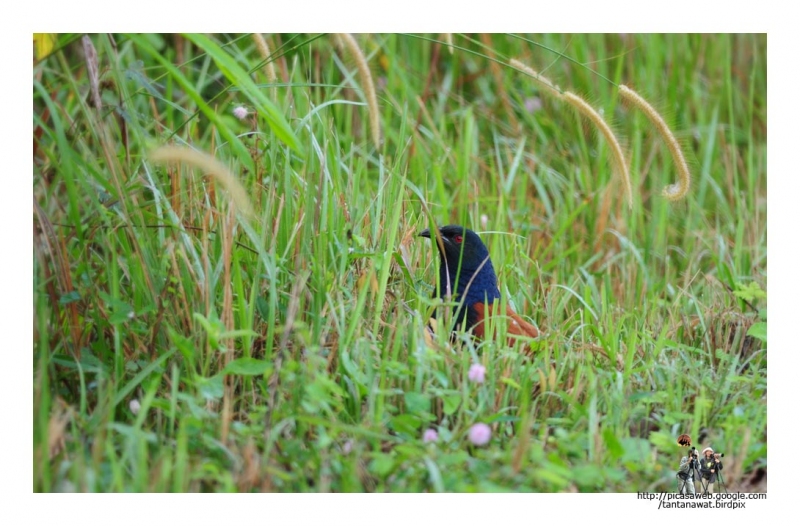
[460,247]
[466,267]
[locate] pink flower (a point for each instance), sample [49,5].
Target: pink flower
[479,434]
[347,447]
[430,435]
[533,104]
[240,112]
[477,373]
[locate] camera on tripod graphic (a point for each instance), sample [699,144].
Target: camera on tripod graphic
[705,467]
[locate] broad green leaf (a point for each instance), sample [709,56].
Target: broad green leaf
[69,297]
[417,403]
[262,306]
[758,330]
[248,367]
[382,464]
[406,423]
[612,443]
[451,403]
[211,388]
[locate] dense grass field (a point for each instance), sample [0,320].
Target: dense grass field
[230,293]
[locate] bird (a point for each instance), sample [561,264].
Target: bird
[467,275]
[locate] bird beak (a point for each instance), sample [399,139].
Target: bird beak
[437,235]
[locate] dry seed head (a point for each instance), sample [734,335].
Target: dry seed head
[269,67]
[93,70]
[677,191]
[616,150]
[542,80]
[346,40]
[210,165]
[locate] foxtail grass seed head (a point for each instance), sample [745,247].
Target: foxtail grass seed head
[543,81]
[347,41]
[616,150]
[210,165]
[269,67]
[676,191]
[480,434]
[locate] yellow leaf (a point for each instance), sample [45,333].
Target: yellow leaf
[43,44]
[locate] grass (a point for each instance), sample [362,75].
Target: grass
[182,344]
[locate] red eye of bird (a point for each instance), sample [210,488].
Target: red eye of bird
[458,239]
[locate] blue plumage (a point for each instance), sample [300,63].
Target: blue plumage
[467,268]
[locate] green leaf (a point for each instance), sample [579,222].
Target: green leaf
[121,316]
[69,297]
[750,292]
[121,311]
[588,476]
[398,258]
[211,388]
[184,345]
[759,330]
[241,78]
[406,423]
[435,475]
[262,306]
[454,461]
[661,440]
[382,464]
[451,403]
[550,476]
[612,443]
[237,333]
[417,402]
[134,434]
[130,386]
[248,367]
[637,449]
